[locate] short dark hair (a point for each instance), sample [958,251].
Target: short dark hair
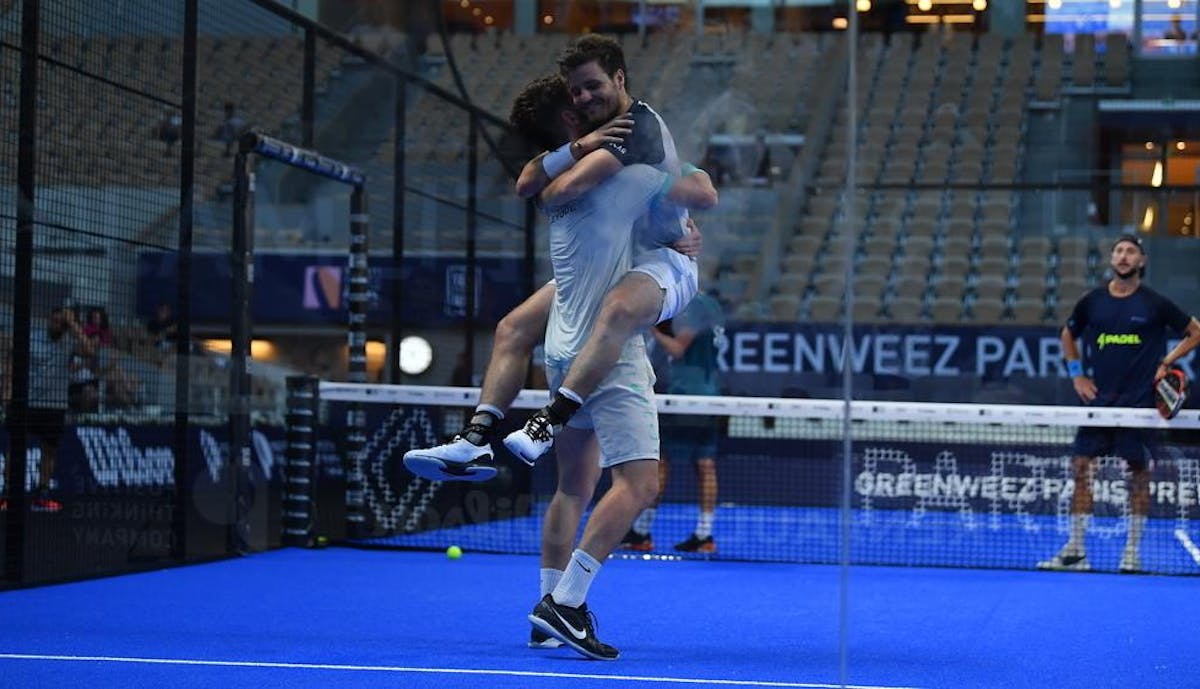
[604,50]
[1132,239]
[536,111]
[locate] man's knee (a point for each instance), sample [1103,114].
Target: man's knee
[514,332]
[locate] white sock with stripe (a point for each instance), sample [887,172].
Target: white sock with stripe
[577,579]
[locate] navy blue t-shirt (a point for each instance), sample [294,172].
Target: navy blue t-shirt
[645,143]
[1124,340]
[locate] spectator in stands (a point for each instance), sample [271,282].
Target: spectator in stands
[162,327]
[1175,31]
[691,342]
[168,131]
[1124,325]
[762,169]
[97,326]
[231,128]
[50,353]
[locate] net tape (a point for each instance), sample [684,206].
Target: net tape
[824,409]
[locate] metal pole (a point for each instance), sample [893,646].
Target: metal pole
[300,471]
[359,300]
[308,102]
[22,292]
[398,183]
[849,237]
[187,175]
[472,226]
[242,273]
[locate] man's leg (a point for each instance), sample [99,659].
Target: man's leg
[631,305]
[1139,508]
[564,614]
[638,538]
[578,473]
[1074,554]
[467,457]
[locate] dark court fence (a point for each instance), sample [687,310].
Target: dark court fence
[116,216]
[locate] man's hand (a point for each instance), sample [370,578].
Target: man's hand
[1084,387]
[692,242]
[612,132]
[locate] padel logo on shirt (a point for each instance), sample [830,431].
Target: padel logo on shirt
[1104,339]
[322,287]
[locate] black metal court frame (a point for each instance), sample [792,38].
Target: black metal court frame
[256,144]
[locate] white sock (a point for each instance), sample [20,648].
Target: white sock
[704,525]
[493,410]
[570,394]
[1079,525]
[1137,524]
[549,579]
[645,521]
[577,579]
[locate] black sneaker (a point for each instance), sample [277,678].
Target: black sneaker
[540,639]
[574,627]
[642,543]
[697,545]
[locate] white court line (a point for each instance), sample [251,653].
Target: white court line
[1188,545]
[428,670]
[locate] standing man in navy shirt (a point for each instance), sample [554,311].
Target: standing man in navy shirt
[1123,326]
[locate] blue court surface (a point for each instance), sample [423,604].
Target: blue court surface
[345,617]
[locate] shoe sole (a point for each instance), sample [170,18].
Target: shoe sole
[547,644]
[549,630]
[637,548]
[1076,567]
[437,469]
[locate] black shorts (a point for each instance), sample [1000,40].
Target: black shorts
[1134,445]
[46,423]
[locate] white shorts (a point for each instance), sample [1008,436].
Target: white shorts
[622,411]
[676,274]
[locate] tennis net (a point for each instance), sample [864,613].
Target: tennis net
[955,485]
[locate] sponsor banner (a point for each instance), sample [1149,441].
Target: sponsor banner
[310,289]
[118,457]
[804,359]
[978,481]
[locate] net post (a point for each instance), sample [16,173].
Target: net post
[300,468]
[242,273]
[359,299]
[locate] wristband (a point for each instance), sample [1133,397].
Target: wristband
[689,169]
[1075,368]
[665,188]
[558,161]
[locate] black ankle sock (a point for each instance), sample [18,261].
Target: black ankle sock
[561,408]
[480,428]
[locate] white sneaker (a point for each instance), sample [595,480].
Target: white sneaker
[532,440]
[457,460]
[1131,561]
[1068,559]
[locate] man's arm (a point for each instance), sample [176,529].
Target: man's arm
[1190,341]
[1084,387]
[593,169]
[694,190]
[675,345]
[534,178]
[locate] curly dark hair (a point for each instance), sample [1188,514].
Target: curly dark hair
[536,111]
[603,49]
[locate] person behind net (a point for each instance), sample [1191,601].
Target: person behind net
[50,354]
[660,284]
[692,344]
[591,252]
[1123,326]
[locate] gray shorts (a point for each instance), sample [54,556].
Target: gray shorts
[622,411]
